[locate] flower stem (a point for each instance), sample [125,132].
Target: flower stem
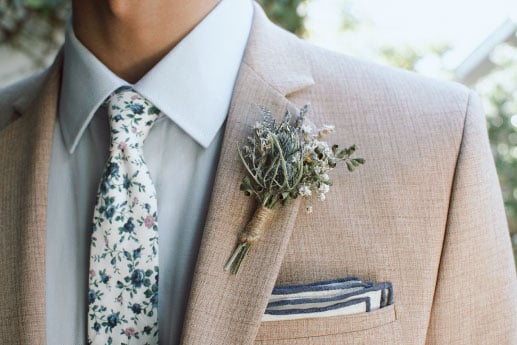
[234,262]
[251,234]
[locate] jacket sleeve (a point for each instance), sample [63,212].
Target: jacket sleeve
[475,300]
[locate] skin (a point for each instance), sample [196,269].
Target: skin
[131,36]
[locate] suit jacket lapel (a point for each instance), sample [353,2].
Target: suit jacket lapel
[223,308]
[24,162]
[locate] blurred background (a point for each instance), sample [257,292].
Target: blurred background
[472,42]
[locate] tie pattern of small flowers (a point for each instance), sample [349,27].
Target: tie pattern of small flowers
[123,275]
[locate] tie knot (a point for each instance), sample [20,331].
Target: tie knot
[131,117]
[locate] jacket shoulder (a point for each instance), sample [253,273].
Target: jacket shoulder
[375,104]
[17,96]
[372,82]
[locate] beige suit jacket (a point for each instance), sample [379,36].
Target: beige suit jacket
[425,212]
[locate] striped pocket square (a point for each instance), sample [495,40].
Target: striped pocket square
[329,298]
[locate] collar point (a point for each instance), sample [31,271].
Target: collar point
[206,140]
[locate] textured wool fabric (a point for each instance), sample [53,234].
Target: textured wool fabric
[425,212]
[24,158]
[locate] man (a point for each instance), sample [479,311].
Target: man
[424,213]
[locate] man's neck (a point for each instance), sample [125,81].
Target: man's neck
[131,36]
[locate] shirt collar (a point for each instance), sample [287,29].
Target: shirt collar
[192,84]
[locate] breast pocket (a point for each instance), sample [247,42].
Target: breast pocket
[377,327]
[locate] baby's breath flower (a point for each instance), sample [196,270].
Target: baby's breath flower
[306,131]
[325,130]
[324,188]
[296,158]
[305,191]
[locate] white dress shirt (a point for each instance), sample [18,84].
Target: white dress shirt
[192,85]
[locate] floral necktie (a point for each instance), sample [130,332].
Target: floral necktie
[123,276]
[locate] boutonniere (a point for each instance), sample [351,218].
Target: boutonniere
[284,161]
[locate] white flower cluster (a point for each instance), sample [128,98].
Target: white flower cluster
[318,160]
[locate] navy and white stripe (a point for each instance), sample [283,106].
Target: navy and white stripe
[328,298]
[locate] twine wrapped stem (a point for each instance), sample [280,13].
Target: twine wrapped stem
[249,235]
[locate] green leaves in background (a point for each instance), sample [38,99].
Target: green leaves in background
[499,93]
[40,4]
[288,14]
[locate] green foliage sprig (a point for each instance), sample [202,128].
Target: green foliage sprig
[290,159]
